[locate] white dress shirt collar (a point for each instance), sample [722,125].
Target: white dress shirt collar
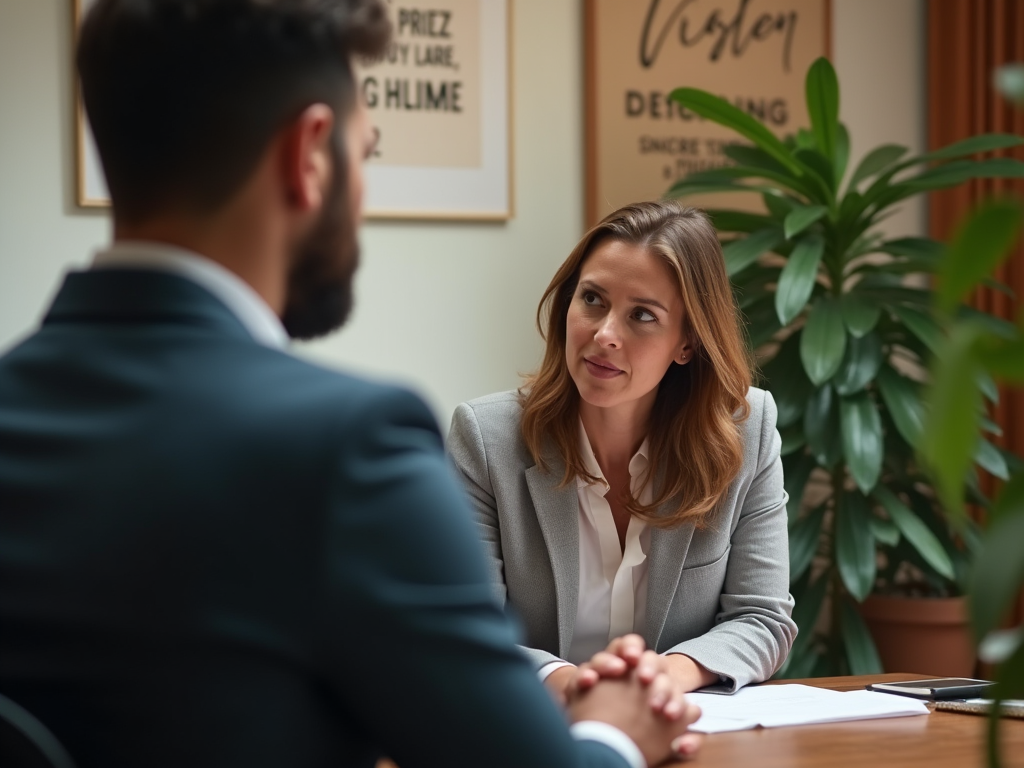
[637,464]
[239,297]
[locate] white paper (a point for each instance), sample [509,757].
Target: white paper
[773,706]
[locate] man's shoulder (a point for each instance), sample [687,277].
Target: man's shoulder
[281,388]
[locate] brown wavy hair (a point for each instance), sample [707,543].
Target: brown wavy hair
[694,428]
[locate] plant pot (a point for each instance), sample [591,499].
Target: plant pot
[929,636]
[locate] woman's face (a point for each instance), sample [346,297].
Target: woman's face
[624,327]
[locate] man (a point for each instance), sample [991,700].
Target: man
[211,552]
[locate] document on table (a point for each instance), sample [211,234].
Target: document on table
[773,706]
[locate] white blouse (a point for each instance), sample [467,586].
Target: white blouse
[613,581]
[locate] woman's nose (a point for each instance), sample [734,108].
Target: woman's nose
[607,334]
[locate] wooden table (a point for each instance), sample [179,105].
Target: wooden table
[938,740]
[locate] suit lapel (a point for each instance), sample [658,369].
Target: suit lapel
[558,515]
[666,558]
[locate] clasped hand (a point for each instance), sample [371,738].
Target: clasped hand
[625,657]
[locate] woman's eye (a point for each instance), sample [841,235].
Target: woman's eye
[643,316]
[591,299]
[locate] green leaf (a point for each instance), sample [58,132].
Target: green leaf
[787,381]
[720,111]
[860,314]
[793,439]
[875,161]
[822,89]
[797,471]
[1004,359]
[806,610]
[796,283]
[862,439]
[733,173]
[860,647]
[991,460]
[803,542]
[801,218]
[951,431]
[823,341]
[1009,81]
[779,205]
[959,171]
[980,244]
[903,400]
[885,531]
[922,326]
[987,142]
[754,157]
[738,221]
[998,573]
[986,384]
[922,248]
[683,187]
[842,154]
[860,364]
[916,532]
[821,427]
[745,251]
[1010,499]
[820,168]
[855,547]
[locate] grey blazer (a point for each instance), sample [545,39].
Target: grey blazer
[719,595]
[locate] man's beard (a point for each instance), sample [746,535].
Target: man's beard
[319,297]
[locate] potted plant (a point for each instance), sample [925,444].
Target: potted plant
[843,320]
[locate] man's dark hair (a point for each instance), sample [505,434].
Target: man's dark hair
[184,95]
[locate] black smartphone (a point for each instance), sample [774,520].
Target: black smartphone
[936,688]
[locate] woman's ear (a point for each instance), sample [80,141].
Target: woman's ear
[685,354]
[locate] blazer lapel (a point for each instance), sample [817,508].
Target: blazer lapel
[558,515]
[666,558]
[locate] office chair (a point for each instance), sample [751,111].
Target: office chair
[27,743]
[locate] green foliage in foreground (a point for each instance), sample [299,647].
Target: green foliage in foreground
[955,417]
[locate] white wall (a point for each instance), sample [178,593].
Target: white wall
[447,308]
[878,49]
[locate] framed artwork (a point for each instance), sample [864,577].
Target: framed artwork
[90,186]
[439,102]
[754,53]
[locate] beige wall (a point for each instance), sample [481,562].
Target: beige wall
[447,308]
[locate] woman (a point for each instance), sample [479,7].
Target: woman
[634,483]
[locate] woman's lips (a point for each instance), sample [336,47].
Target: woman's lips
[601,368]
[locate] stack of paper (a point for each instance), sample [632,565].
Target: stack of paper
[772,706]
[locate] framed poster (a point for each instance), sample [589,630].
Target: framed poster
[439,101]
[754,53]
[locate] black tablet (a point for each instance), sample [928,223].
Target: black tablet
[936,688]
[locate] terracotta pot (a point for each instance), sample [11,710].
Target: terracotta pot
[921,635]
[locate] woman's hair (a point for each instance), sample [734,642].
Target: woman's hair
[694,433]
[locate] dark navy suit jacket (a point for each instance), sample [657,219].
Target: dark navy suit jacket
[215,554]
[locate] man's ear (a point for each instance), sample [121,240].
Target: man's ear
[305,157]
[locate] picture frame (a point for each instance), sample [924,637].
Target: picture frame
[419,186]
[637,142]
[90,185]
